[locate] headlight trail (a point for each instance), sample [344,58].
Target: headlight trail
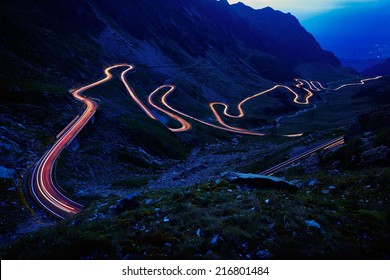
[44,189]
[362,82]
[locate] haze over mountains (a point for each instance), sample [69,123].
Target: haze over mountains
[358,33]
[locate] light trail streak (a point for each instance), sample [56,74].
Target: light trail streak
[235,130]
[42,186]
[327,145]
[184,124]
[362,82]
[46,193]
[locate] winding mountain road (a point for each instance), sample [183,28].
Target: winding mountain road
[42,185]
[46,192]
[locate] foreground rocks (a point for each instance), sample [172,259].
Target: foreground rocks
[258,181]
[125,204]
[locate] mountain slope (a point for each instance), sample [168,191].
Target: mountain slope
[72,37]
[382,68]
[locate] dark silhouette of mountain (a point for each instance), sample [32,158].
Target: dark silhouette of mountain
[359,64]
[70,38]
[382,68]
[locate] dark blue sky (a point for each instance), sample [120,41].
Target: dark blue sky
[349,28]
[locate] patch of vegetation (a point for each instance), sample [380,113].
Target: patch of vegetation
[154,138]
[223,221]
[124,156]
[382,137]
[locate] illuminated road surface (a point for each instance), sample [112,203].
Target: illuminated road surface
[44,188]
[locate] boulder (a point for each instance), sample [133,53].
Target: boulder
[256,180]
[127,204]
[312,223]
[124,204]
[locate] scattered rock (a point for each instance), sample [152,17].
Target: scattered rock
[332,187]
[175,176]
[266,201]
[312,223]
[297,183]
[166,219]
[148,201]
[325,191]
[198,231]
[132,195]
[264,254]
[256,180]
[334,171]
[214,240]
[312,182]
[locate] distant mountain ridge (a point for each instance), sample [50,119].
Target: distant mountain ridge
[357,30]
[72,37]
[382,68]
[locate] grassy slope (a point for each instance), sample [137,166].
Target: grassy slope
[354,223]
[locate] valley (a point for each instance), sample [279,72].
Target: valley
[101,159]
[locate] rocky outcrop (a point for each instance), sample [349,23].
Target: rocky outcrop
[258,181]
[125,204]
